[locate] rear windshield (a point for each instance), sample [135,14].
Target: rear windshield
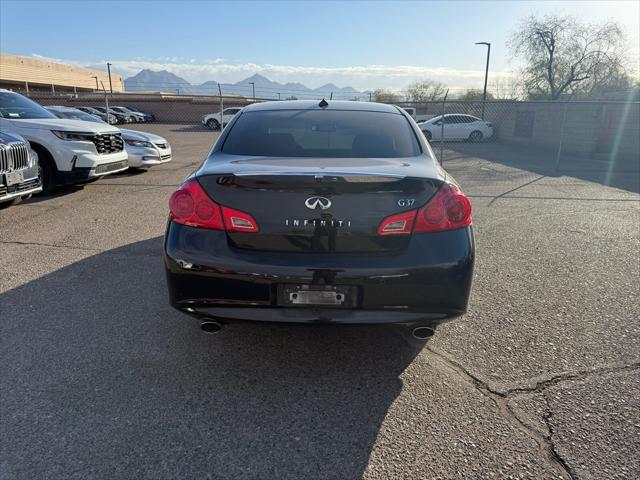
[322,133]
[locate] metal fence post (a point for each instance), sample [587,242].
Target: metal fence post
[564,121]
[444,101]
[221,107]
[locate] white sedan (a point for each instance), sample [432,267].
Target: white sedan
[145,149]
[456,127]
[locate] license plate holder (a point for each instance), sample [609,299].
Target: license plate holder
[14,178]
[334,296]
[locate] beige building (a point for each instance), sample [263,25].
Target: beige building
[27,74]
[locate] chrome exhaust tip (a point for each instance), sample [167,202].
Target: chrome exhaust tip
[210,327]
[422,333]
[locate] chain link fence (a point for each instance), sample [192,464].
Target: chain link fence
[550,137]
[594,132]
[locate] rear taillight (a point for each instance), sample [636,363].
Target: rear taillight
[448,209]
[190,205]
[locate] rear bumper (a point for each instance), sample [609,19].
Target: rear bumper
[429,282]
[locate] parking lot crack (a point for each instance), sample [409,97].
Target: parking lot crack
[540,385]
[546,448]
[51,245]
[546,418]
[516,188]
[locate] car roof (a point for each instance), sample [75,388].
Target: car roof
[459,115]
[314,105]
[59,107]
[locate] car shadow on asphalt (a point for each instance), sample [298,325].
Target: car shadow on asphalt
[624,174]
[193,128]
[60,191]
[101,378]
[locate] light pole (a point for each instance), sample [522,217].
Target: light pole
[253,84]
[109,71]
[486,75]
[96,77]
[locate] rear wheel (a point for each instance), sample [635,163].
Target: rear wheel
[476,136]
[213,124]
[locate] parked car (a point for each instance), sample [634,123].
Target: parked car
[109,118]
[122,117]
[69,151]
[457,127]
[417,117]
[149,116]
[137,117]
[146,149]
[73,113]
[143,149]
[213,121]
[19,177]
[330,212]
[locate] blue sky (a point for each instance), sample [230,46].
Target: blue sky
[362,44]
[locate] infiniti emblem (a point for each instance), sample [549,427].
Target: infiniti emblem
[315,203]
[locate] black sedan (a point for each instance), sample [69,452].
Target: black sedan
[329,212]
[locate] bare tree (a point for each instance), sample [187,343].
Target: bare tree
[425,91]
[474,95]
[507,89]
[385,96]
[564,57]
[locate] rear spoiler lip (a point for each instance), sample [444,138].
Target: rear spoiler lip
[318,174]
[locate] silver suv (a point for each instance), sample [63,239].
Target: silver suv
[18,169]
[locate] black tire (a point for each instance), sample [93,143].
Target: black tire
[476,136]
[427,134]
[213,124]
[47,171]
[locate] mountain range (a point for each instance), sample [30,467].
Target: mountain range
[164,81]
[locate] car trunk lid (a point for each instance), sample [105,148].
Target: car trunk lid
[318,205]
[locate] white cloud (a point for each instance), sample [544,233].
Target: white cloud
[365,77]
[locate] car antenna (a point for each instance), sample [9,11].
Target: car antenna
[323,103]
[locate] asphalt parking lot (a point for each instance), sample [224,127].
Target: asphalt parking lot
[100,378]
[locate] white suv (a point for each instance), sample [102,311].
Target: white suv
[212,120]
[70,151]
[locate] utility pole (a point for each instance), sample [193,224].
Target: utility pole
[96,77]
[278,95]
[444,106]
[331,96]
[486,75]
[109,71]
[369,96]
[106,99]
[253,84]
[221,106]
